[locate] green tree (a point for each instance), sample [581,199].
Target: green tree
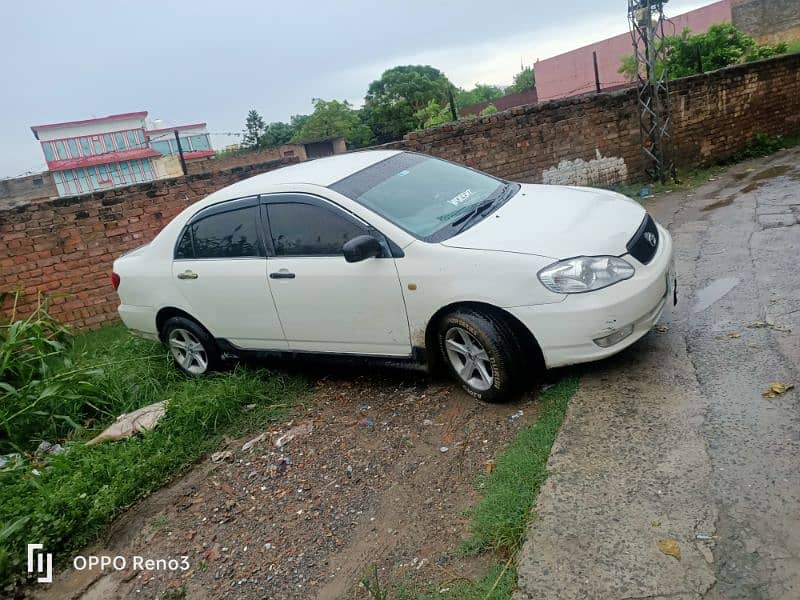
[480,93]
[393,100]
[334,118]
[297,121]
[524,80]
[434,114]
[276,134]
[722,45]
[489,110]
[254,128]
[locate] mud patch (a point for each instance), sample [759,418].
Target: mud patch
[763,177]
[771,172]
[720,203]
[384,478]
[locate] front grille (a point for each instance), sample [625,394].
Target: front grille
[641,245]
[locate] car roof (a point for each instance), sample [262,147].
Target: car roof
[321,171]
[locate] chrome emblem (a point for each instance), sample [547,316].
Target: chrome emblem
[651,238]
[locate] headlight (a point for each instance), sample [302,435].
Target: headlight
[585,274]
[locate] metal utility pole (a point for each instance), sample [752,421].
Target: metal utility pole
[596,72]
[180,152]
[452,102]
[646,18]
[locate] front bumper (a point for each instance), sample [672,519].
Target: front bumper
[566,330]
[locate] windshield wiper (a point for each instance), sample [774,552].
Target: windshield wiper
[479,209]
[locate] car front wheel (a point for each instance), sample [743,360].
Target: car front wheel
[482,353]
[192,348]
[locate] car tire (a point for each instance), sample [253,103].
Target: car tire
[482,353]
[192,348]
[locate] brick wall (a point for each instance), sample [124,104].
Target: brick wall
[769,21]
[246,158]
[718,113]
[20,190]
[714,114]
[67,245]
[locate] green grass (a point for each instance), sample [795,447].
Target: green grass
[497,584]
[75,494]
[499,522]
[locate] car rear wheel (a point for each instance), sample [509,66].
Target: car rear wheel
[482,353]
[192,348]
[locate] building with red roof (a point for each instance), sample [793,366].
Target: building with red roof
[114,151]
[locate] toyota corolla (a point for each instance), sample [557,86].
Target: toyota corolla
[399,255]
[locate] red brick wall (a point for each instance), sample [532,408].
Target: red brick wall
[714,114]
[245,158]
[718,113]
[65,247]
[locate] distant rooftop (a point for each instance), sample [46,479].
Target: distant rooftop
[131,115]
[178,127]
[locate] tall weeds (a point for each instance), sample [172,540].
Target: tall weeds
[44,395]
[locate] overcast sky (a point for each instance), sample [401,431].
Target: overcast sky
[190,61]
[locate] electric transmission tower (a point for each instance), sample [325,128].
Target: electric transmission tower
[646,18]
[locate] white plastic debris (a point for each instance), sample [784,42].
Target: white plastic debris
[256,440]
[129,424]
[302,429]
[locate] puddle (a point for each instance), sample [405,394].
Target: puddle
[713,292]
[771,172]
[760,178]
[720,203]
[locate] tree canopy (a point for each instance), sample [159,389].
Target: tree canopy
[404,98]
[276,134]
[722,45]
[334,118]
[524,80]
[254,128]
[480,93]
[392,102]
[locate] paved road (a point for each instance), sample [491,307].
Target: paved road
[672,440]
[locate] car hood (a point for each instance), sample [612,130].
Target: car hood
[557,222]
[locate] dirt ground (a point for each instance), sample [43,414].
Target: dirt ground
[383,478]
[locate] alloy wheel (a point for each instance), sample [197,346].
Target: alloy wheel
[469,359]
[188,352]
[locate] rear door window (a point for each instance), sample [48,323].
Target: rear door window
[230,234]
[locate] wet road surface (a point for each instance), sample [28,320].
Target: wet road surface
[672,439]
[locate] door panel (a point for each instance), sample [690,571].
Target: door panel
[331,305]
[231,298]
[220,268]
[325,303]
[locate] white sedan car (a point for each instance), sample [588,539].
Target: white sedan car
[401,255]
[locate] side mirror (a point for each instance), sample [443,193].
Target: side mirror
[361,247]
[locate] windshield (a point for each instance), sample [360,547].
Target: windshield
[423,195]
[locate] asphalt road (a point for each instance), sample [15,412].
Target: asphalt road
[671,443]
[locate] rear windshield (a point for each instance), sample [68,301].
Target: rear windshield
[420,194]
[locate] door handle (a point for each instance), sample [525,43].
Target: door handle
[187,275]
[282,274]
